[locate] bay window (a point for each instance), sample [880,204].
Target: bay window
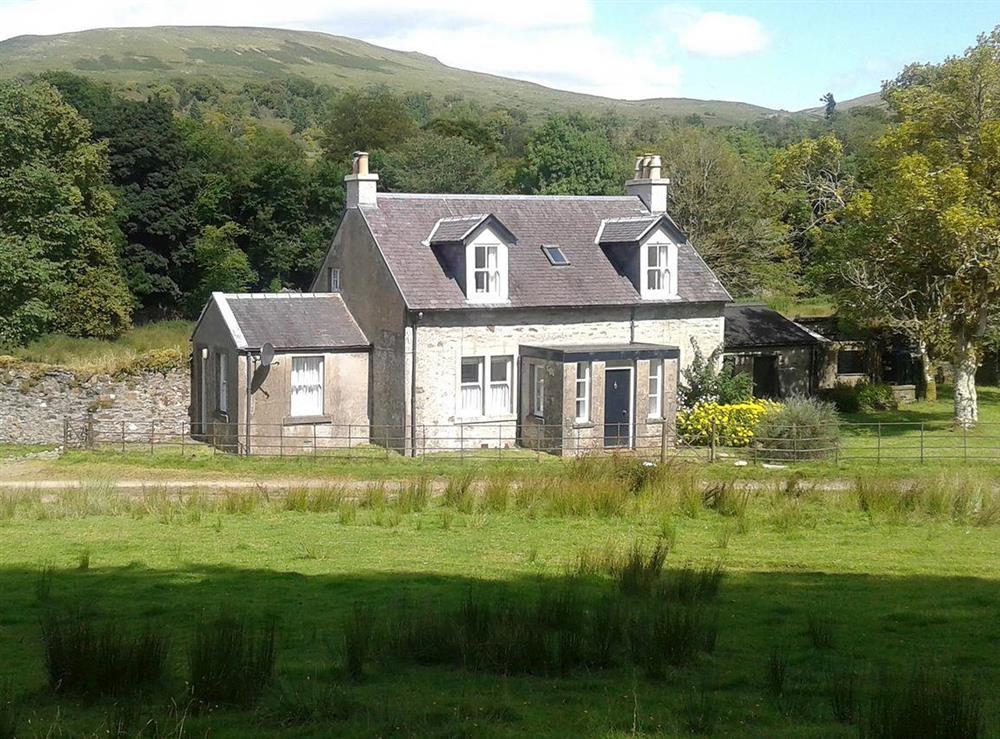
[307,386]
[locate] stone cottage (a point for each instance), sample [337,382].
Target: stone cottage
[549,322]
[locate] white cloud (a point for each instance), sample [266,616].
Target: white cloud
[551,43]
[714,34]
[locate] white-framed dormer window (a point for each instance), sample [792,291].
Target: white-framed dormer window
[536,381]
[333,279]
[583,391]
[307,386]
[486,269]
[658,267]
[486,386]
[656,388]
[222,382]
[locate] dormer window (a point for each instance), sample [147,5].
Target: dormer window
[644,249]
[485,270]
[475,249]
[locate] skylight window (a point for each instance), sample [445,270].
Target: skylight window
[555,255]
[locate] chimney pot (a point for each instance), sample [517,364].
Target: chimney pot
[648,183]
[361,184]
[360,162]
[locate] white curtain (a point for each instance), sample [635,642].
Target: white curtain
[307,386]
[500,397]
[472,400]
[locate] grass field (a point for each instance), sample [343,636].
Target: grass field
[109,357]
[874,582]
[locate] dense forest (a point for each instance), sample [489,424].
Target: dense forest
[124,204]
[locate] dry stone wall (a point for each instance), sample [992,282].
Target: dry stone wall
[35,400]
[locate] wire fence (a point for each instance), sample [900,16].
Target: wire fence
[858,443]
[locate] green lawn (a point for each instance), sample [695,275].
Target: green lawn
[899,588]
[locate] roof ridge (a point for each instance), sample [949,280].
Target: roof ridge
[275,296]
[501,196]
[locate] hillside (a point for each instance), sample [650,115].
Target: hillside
[238,55]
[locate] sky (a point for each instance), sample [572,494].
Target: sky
[776,54]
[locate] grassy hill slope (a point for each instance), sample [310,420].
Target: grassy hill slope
[238,55]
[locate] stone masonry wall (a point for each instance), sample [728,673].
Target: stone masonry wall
[35,399]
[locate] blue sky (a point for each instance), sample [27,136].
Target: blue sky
[776,54]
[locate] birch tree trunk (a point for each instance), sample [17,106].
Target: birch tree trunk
[930,384]
[966,401]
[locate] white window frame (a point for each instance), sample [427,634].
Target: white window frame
[480,384]
[222,382]
[582,407]
[536,381]
[656,391]
[312,412]
[495,270]
[664,268]
[333,279]
[486,383]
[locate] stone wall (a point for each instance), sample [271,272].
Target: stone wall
[34,400]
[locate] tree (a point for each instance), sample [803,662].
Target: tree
[221,264]
[58,242]
[930,223]
[727,206]
[367,119]
[431,162]
[829,105]
[572,156]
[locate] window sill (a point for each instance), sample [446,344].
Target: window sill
[656,419]
[584,425]
[305,420]
[472,420]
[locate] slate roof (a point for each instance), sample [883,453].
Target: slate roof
[290,321]
[628,230]
[749,326]
[455,229]
[402,222]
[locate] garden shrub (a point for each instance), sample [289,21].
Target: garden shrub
[706,380]
[844,397]
[801,428]
[733,424]
[876,397]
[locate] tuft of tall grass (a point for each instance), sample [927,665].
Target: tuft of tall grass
[83,658]
[844,696]
[700,711]
[230,662]
[776,674]
[496,494]
[358,641]
[821,630]
[413,496]
[692,585]
[10,713]
[314,500]
[929,703]
[725,499]
[306,702]
[458,491]
[639,571]
[664,635]
[43,584]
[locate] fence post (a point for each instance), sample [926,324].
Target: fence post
[499,442]
[89,431]
[423,442]
[123,437]
[878,458]
[65,434]
[183,435]
[921,442]
[314,441]
[711,444]
[152,435]
[461,442]
[663,441]
[795,443]
[965,443]
[281,440]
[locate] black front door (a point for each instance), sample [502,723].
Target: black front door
[617,420]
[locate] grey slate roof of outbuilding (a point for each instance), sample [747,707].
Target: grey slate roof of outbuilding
[402,222]
[749,326]
[290,321]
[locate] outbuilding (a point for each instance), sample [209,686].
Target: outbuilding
[279,372]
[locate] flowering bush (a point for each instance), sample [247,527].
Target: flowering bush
[733,424]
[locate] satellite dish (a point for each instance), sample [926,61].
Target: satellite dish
[267,354]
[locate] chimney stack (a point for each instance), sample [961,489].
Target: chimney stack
[361,185]
[648,184]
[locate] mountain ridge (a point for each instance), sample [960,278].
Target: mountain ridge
[240,54]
